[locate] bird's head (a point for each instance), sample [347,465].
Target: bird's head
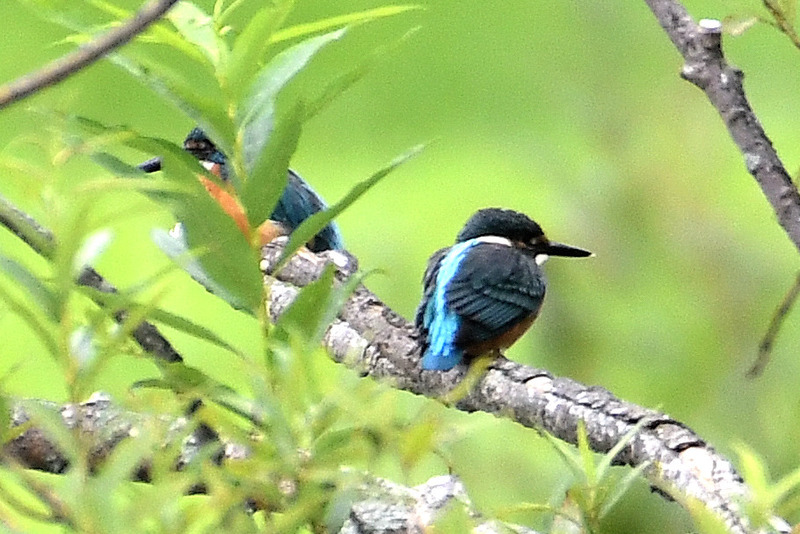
[520,230]
[200,146]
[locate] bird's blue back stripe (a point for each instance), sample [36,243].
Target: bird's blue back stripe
[442,324]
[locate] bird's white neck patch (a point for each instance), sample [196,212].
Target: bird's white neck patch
[496,239]
[541,258]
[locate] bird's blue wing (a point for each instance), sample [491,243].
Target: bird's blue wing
[298,202]
[495,288]
[438,324]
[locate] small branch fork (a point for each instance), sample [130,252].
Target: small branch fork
[700,44]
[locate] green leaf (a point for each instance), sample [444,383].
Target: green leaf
[116,165]
[183,379]
[265,184]
[256,117]
[586,454]
[605,462]
[119,301]
[303,319]
[250,46]
[620,488]
[197,27]
[360,17]
[178,251]
[124,459]
[182,324]
[567,454]
[204,110]
[227,263]
[311,226]
[737,25]
[706,520]
[40,294]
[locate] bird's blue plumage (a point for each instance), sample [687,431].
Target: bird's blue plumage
[441,323]
[484,292]
[298,202]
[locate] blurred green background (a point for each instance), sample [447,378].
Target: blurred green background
[572,112]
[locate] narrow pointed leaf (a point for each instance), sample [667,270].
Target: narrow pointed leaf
[179,252]
[268,178]
[307,311]
[608,458]
[41,328]
[315,308]
[197,27]
[620,488]
[301,30]
[91,249]
[205,111]
[227,264]
[117,301]
[39,292]
[182,324]
[256,118]
[311,226]
[250,46]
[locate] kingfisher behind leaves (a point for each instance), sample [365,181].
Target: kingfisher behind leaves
[297,203]
[484,292]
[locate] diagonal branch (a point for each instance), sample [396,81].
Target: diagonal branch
[705,66]
[41,240]
[375,340]
[87,54]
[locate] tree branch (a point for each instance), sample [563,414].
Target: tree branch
[380,505]
[87,54]
[376,341]
[705,66]
[41,240]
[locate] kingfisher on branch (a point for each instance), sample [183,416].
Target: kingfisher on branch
[481,294]
[298,202]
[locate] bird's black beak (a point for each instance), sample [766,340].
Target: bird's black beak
[151,165]
[560,249]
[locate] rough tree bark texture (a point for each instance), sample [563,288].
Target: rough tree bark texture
[373,339]
[379,343]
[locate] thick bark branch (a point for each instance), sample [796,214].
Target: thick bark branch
[87,54]
[373,339]
[705,66]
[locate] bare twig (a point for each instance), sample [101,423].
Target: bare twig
[765,347]
[87,54]
[42,242]
[705,66]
